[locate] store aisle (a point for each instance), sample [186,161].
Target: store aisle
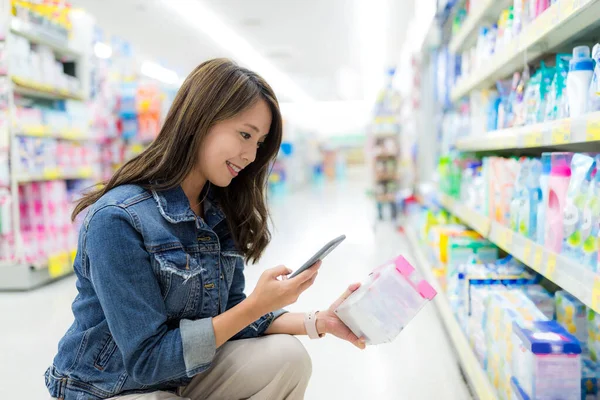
[418,365]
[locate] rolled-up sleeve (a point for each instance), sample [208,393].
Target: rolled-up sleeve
[237,295]
[129,293]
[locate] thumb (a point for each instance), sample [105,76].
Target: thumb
[278,271]
[351,289]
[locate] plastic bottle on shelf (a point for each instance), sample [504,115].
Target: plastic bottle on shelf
[590,226]
[594,92]
[541,213]
[581,175]
[558,184]
[528,213]
[581,71]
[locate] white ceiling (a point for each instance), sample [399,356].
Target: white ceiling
[311,41]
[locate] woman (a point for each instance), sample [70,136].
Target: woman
[161,309]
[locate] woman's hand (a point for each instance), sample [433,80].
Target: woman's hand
[328,321]
[272,293]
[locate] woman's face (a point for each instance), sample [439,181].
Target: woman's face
[231,145]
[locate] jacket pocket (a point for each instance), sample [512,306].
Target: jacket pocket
[229,260]
[105,353]
[180,279]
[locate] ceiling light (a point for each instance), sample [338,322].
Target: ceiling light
[199,16]
[102,50]
[160,73]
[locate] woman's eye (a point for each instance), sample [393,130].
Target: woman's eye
[246,135]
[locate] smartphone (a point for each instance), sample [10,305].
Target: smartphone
[319,255]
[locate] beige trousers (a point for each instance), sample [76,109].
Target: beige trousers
[274,367]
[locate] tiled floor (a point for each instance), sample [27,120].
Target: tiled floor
[418,365]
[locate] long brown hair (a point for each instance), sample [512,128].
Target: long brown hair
[215,91]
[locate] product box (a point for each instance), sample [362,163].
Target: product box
[440,235]
[503,310]
[589,378]
[386,302]
[571,314]
[547,361]
[593,334]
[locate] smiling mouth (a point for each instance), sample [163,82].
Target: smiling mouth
[233,169]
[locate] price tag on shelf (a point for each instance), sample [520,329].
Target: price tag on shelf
[561,132]
[533,139]
[596,294]
[527,253]
[72,255]
[85,172]
[592,129]
[58,264]
[506,238]
[509,142]
[481,224]
[550,269]
[538,256]
[35,130]
[51,174]
[72,134]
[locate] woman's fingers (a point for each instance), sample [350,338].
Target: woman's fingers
[351,289]
[308,274]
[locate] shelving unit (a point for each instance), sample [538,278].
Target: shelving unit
[561,22]
[563,132]
[573,277]
[28,87]
[29,32]
[46,132]
[20,274]
[487,10]
[387,177]
[473,370]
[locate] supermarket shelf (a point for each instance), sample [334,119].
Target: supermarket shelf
[386,177]
[573,277]
[34,35]
[555,133]
[19,276]
[473,370]
[45,132]
[386,198]
[28,87]
[467,35]
[559,23]
[55,174]
[477,221]
[386,156]
[386,135]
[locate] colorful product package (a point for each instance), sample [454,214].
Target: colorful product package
[558,185]
[439,237]
[589,378]
[590,227]
[503,310]
[557,106]
[593,325]
[519,194]
[381,308]
[581,171]
[541,213]
[501,182]
[547,361]
[594,93]
[528,213]
[571,313]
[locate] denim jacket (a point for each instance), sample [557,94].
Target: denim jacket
[150,277]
